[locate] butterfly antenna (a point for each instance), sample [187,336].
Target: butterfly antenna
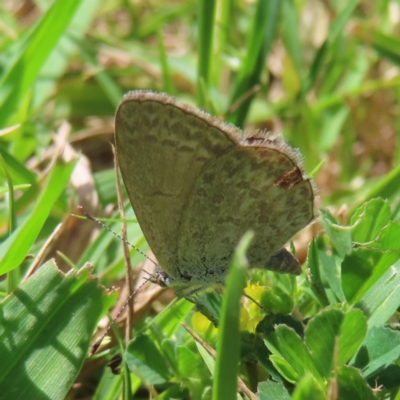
[87,215]
[147,279]
[97,344]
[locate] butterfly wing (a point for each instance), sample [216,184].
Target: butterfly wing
[259,188]
[196,188]
[162,148]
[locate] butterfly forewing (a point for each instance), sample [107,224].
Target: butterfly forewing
[162,150]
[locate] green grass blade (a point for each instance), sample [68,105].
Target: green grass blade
[291,36]
[43,39]
[387,46]
[334,32]
[14,250]
[17,170]
[56,65]
[206,36]
[228,348]
[223,27]
[12,221]
[264,27]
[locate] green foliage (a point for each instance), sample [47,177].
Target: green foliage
[45,331]
[326,73]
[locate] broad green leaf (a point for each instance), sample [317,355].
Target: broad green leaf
[168,349]
[331,271]
[284,369]
[382,300]
[340,236]
[315,279]
[173,392]
[362,268]
[352,334]
[209,304]
[369,219]
[45,331]
[320,337]
[388,238]
[187,362]
[146,360]
[334,336]
[352,385]
[272,390]
[286,344]
[307,389]
[380,348]
[276,300]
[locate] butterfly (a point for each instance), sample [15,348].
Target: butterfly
[197,184]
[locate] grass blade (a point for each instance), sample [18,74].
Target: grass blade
[23,73]
[228,349]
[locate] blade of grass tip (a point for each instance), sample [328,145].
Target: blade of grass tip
[228,348]
[206,36]
[23,73]
[264,26]
[316,169]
